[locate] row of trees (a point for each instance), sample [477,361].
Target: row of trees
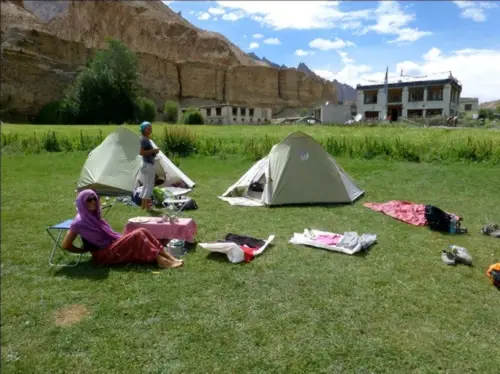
[108,91]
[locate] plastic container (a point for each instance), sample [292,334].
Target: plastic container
[176,247]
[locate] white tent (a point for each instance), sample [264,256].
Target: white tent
[297,171]
[113,167]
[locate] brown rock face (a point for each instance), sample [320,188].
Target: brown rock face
[176,60]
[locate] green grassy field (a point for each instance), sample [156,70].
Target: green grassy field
[397,309]
[389,143]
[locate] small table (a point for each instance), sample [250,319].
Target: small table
[183,228]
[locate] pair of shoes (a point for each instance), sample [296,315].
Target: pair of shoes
[492,230]
[456,255]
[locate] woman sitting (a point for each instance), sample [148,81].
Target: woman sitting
[108,247]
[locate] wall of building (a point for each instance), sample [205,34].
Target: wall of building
[472,101]
[333,113]
[447,106]
[229,115]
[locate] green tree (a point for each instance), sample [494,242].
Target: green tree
[170,111]
[107,90]
[146,109]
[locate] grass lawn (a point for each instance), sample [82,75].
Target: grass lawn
[294,309]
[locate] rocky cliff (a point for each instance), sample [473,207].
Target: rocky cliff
[176,59]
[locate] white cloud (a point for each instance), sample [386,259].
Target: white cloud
[481,81]
[257,36]
[233,16]
[298,15]
[392,20]
[203,16]
[301,52]
[272,41]
[253,45]
[326,45]
[167,2]
[216,11]
[475,10]
[389,17]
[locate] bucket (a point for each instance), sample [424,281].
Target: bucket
[176,248]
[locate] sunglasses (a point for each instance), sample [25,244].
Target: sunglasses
[90,199]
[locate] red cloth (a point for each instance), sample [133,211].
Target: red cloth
[138,246]
[405,211]
[248,252]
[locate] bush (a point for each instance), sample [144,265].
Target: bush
[145,109]
[106,91]
[49,114]
[192,117]
[170,112]
[178,141]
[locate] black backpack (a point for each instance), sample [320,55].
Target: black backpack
[438,220]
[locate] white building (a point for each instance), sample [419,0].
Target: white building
[330,113]
[225,114]
[469,104]
[413,98]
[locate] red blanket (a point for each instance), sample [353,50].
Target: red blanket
[405,211]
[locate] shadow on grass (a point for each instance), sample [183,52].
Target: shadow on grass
[83,270]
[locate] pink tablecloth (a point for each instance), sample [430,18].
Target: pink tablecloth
[183,228]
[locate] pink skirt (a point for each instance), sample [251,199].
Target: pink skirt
[138,246]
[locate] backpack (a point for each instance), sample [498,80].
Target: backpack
[438,220]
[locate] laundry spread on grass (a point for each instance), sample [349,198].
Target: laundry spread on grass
[239,248]
[405,211]
[348,243]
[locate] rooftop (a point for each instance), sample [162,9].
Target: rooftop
[402,81]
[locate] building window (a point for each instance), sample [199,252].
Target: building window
[235,111]
[434,112]
[250,112]
[371,115]
[243,111]
[468,107]
[371,97]
[218,112]
[209,112]
[435,94]
[415,113]
[416,94]
[395,96]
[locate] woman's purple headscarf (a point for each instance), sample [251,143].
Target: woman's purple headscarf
[91,225]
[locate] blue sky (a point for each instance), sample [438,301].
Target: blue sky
[354,41]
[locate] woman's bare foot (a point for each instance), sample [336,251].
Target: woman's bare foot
[168,264]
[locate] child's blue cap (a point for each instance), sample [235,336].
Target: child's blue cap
[144,125]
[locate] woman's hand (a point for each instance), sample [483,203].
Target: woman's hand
[156,151]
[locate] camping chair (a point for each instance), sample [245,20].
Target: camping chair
[56,234]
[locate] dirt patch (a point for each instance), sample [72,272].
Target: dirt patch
[70,315]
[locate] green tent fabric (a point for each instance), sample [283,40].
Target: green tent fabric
[113,168]
[297,171]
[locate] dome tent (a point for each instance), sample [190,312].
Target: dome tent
[113,167]
[296,171]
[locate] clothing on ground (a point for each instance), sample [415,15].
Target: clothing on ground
[139,246]
[348,243]
[148,180]
[147,146]
[405,211]
[244,240]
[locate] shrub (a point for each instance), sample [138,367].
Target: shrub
[192,117]
[106,91]
[49,114]
[145,109]
[170,112]
[178,141]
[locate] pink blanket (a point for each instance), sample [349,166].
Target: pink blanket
[405,211]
